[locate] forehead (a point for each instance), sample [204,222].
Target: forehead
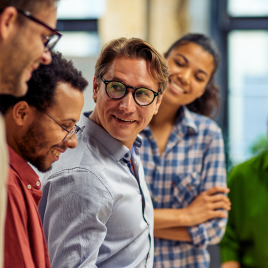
[194,54]
[68,101]
[133,72]
[47,14]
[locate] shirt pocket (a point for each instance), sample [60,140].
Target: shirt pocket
[186,188]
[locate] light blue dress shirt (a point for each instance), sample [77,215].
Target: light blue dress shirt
[91,207]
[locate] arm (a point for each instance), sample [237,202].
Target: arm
[203,221]
[169,222]
[75,209]
[174,233]
[204,207]
[213,174]
[17,247]
[230,247]
[230,264]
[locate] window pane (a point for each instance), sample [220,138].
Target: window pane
[237,8]
[81,9]
[79,44]
[248,91]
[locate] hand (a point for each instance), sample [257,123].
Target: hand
[208,205]
[230,264]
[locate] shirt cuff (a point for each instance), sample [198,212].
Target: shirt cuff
[198,235]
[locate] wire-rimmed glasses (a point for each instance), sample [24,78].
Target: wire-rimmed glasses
[71,132]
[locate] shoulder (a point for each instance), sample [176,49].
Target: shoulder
[205,124]
[204,127]
[249,168]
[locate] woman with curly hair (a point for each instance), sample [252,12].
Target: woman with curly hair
[183,158]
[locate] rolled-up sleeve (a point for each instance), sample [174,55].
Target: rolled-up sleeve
[213,174]
[74,209]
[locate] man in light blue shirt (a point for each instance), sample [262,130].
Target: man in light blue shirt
[96,207]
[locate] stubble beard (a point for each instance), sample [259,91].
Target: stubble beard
[33,141]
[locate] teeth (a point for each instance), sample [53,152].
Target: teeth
[177,87]
[55,152]
[125,120]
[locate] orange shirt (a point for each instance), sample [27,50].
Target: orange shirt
[25,244]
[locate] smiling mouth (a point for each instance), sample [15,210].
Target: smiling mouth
[176,87]
[55,152]
[124,120]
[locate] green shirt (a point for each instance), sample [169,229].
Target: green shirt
[246,236]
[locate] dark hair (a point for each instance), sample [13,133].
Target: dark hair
[42,85]
[208,103]
[138,49]
[27,5]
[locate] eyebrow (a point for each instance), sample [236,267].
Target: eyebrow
[186,60]
[115,78]
[71,119]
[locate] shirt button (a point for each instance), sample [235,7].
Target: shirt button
[155,253]
[29,186]
[151,137]
[158,168]
[155,199]
[38,183]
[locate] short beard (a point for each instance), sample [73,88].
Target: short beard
[33,141]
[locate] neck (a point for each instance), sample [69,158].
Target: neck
[166,114]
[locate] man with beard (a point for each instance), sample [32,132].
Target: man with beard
[96,208]
[40,126]
[26,36]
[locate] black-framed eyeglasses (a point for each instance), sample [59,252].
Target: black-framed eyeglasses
[50,41]
[117,90]
[71,132]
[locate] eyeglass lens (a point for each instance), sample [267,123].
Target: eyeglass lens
[74,130]
[117,90]
[51,41]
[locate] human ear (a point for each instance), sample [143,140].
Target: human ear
[21,113]
[7,22]
[95,89]
[158,104]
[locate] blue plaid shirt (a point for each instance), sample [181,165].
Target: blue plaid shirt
[193,161]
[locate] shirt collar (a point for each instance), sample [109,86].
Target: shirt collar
[185,122]
[24,170]
[112,145]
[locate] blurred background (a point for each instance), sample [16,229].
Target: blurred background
[239,27]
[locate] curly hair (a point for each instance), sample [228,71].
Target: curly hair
[138,49]
[42,86]
[208,103]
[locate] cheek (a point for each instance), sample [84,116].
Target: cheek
[173,68]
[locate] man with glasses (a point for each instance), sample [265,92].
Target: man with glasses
[96,208]
[26,35]
[40,126]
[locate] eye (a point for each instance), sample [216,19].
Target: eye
[66,126]
[178,63]
[200,77]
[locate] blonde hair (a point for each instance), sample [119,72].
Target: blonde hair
[134,48]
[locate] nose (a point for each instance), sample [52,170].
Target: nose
[46,57]
[72,142]
[185,76]
[128,103]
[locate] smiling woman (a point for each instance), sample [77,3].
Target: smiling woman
[183,158]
